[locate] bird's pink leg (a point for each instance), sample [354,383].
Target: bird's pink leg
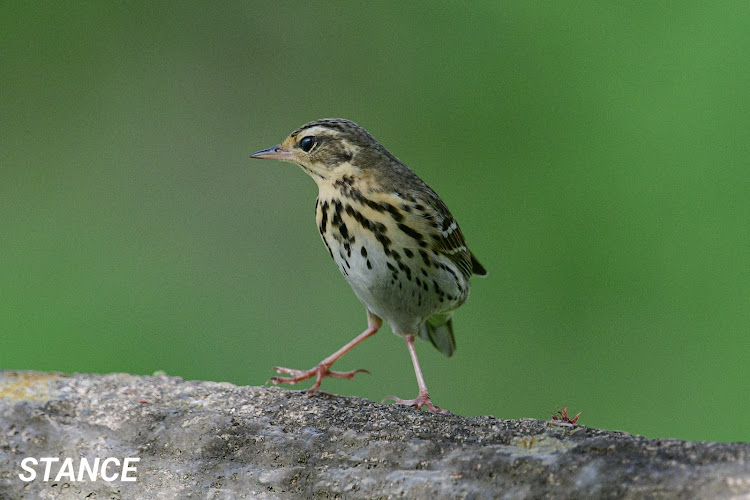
[322,369]
[423,399]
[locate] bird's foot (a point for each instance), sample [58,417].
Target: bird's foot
[319,372]
[423,400]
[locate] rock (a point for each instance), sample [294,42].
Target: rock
[219,441]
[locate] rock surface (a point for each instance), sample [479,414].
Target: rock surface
[219,441]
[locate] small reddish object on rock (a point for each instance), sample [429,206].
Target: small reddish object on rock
[563,416]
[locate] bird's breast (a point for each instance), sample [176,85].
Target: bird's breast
[390,272]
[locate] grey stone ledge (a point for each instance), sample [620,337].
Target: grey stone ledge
[198,440]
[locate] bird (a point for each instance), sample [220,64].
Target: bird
[391,236]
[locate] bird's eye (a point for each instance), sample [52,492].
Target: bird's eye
[307,143]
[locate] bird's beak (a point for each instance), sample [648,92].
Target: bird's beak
[273,153]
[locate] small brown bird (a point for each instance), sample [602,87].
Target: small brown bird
[391,236]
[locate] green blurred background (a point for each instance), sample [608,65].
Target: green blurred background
[596,155]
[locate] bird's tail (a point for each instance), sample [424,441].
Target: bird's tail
[438,329]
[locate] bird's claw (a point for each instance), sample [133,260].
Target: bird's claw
[289,371]
[423,400]
[319,372]
[349,375]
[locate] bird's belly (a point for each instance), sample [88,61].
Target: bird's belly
[394,286]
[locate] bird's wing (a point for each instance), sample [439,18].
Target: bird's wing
[421,214]
[449,240]
[441,232]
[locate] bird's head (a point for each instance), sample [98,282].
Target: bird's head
[328,149]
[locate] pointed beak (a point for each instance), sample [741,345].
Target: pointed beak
[273,153]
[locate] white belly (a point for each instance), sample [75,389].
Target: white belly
[403,298]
